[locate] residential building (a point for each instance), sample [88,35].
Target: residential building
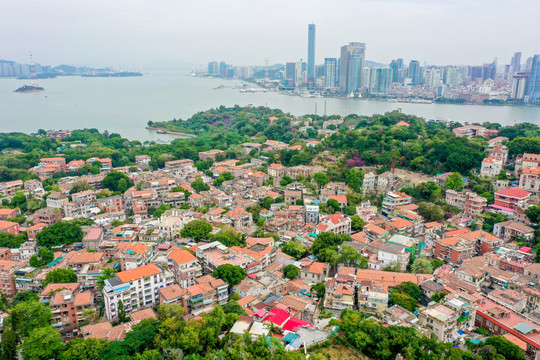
[394,199]
[184,266]
[9,227]
[336,223]
[471,131]
[47,216]
[315,273]
[513,231]
[512,198]
[491,167]
[453,250]
[136,288]
[8,268]
[471,204]
[529,180]
[498,152]
[57,200]
[10,188]
[392,255]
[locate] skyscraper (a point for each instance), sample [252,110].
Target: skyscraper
[414,72]
[351,67]
[311,54]
[290,70]
[330,72]
[380,81]
[515,64]
[533,83]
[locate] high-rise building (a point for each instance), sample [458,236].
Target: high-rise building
[533,83]
[351,67]
[290,70]
[213,68]
[519,86]
[489,71]
[515,63]
[380,81]
[311,54]
[415,72]
[475,72]
[432,77]
[330,72]
[451,76]
[397,70]
[223,69]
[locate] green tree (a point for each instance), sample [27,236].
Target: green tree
[122,315]
[427,191]
[355,179]
[357,223]
[290,272]
[454,181]
[321,179]
[533,213]
[430,212]
[199,185]
[43,257]
[106,273]
[60,276]
[27,316]
[349,256]
[43,343]
[170,311]
[229,237]
[295,249]
[232,307]
[196,229]
[117,181]
[333,204]
[437,297]
[231,274]
[267,202]
[19,201]
[23,296]
[350,210]
[8,345]
[61,233]
[422,266]
[319,289]
[87,349]
[506,348]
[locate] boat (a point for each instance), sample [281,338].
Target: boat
[351,95]
[29,88]
[162,132]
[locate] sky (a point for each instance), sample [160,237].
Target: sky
[246,32]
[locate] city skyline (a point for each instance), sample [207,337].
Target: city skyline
[129,34]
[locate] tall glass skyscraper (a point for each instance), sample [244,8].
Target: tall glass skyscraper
[351,67]
[311,54]
[415,73]
[330,72]
[533,83]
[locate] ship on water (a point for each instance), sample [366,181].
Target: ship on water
[30,88]
[35,86]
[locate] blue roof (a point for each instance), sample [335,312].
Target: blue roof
[290,337]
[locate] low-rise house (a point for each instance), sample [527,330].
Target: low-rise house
[471,204]
[335,223]
[509,298]
[47,216]
[10,188]
[512,198]
[392,200]
[9,227]
[338,296]
[57,200]
[529,180]
[315,273]
[513,231]
[393,254]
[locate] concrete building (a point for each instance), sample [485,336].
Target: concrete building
[491,167]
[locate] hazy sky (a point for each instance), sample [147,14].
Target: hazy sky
[138,32]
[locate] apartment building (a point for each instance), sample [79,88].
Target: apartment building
[529,180]
[10,188]
[339,296]
[498,152]
[512,198]
[292,196]
[491,167]
[184,266]
[67,308]
[393,254]
[8,268]
[47,216]
[394,199]
[454,250]
[276,170]
[9,227]
[512,231]
[335,223]
[471,204]
[471,131]
[136,288]
[215,254]
[57,200]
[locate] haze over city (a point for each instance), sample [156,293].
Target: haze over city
[133,33]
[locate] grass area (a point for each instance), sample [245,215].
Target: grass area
[338,352]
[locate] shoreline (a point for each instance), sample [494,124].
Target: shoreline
[169,132]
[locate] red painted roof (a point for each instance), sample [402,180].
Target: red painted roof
[514,192]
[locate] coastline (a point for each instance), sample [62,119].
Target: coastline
[153,128]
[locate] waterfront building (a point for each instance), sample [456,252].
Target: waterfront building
[330,72]
[311,54]
[351,67]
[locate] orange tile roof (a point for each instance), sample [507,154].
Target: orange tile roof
[339,198]
[344,290]
[172,292]
[246,300]
[181,256]
[138,273]
[375,229]
[143,315]
[51,288]
[450,241]
[86,257]
[457,232]
[400,223]
[84,298]
[317,268]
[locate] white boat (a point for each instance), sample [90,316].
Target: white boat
[351,95]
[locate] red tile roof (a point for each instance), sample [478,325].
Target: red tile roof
[514,192]
[138,273]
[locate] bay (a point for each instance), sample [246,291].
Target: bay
[125,105]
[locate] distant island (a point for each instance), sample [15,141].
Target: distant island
[114,74]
